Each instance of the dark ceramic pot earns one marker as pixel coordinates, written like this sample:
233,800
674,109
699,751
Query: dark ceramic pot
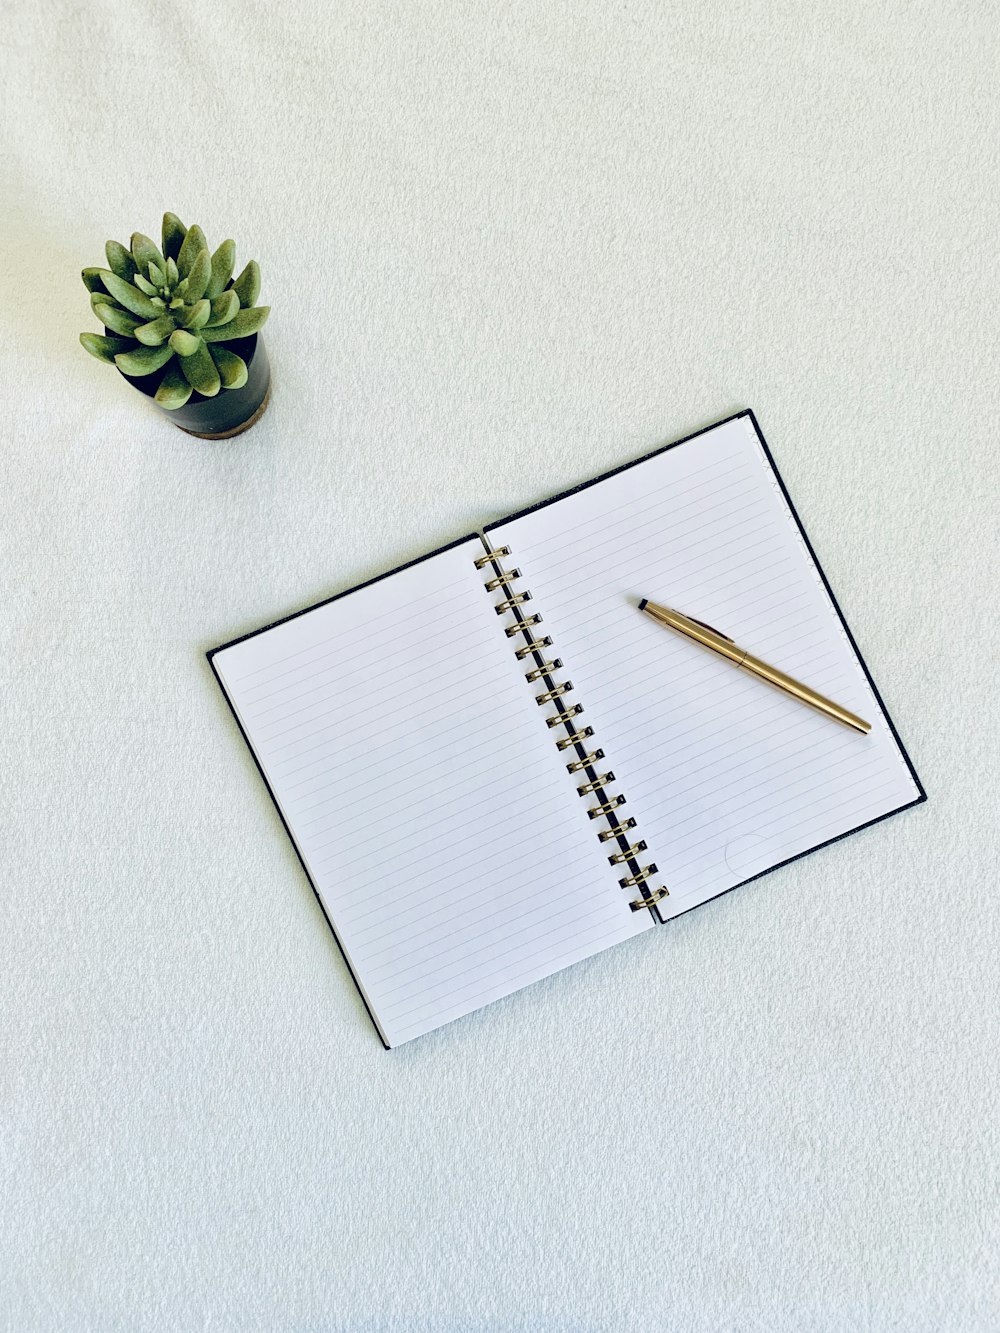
231,410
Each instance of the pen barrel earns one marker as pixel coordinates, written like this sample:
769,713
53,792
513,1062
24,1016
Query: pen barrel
802,692
694,629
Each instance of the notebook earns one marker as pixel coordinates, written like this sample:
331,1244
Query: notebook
492,765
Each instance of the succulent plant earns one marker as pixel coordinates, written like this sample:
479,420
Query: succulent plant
174,312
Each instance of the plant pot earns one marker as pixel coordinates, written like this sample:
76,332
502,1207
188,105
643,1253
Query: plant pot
231,411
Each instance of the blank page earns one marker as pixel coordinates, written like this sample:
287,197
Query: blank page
727,776
427,801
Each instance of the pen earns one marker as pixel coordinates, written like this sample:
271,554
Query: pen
725,647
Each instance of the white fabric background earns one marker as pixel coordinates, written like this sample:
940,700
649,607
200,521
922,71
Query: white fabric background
506,247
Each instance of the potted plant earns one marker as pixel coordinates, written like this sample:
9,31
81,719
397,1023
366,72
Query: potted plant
182,330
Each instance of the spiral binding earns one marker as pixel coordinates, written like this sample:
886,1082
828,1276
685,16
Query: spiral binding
596,811
502,580
522,625
574,738
546,669
533,645
596,785
628,854
588,761
623,826
554,693
564,718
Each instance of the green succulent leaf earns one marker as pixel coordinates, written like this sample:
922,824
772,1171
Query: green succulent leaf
158,275
232,368
144,285
172,274
105,349
143,360
197,279
144,252
101,298
173,233
200,372
181,287
240,326
128,296
174,390
247,285
194,242
120,260
151,335
184,343
198,314
92,279
117,320
222,268
224,307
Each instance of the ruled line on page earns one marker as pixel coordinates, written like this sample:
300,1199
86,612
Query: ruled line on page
655,563
522,899
652,500
743,755
507,763
444,684
344,670
434,927
482,802
438,696
697,875
435,922
453,973
505,980
767,802
405,768
737,511
390,620
473,734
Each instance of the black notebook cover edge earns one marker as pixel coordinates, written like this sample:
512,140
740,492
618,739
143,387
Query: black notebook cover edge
748,414
325,601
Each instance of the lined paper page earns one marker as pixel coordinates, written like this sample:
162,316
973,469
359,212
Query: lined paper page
726,776
405,751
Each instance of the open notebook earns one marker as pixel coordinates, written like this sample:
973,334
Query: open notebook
492,765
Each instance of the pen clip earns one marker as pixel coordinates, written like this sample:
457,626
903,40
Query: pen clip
713,630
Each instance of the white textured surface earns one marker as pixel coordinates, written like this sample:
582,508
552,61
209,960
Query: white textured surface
506,247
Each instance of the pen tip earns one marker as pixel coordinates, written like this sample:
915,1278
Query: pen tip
642,604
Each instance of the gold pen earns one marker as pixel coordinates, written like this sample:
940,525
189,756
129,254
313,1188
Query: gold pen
725,647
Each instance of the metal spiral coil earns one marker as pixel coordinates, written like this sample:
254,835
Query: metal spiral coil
542,669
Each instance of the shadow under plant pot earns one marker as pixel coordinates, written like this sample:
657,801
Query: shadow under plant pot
231,411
